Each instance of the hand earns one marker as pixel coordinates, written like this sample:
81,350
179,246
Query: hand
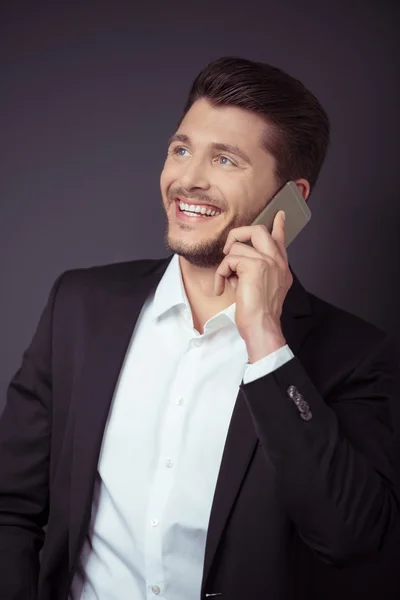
262,278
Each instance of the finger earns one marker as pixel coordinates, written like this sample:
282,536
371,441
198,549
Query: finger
279,233
241,249
233,281
222,274
238,249
258,235
232,265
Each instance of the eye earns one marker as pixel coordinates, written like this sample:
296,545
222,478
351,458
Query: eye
224,160
179,150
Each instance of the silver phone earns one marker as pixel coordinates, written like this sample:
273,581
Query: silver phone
292,202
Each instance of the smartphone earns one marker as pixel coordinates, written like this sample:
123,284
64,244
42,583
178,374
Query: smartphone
292,202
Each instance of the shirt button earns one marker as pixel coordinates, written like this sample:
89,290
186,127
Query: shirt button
155,589
154,522
179,401
168,463
186,314
197,343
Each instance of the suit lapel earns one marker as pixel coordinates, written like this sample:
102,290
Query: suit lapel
241,439
95,391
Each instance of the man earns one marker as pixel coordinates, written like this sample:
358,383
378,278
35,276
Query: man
201,426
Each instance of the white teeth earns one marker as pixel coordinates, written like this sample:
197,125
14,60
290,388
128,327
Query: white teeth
193,210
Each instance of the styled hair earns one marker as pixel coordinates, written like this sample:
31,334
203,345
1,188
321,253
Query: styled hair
298,126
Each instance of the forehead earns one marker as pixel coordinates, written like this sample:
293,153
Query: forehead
224,124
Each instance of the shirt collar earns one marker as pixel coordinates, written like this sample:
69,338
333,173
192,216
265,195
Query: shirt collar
171,293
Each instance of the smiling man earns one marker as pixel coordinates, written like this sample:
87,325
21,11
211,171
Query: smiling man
210,187
201,426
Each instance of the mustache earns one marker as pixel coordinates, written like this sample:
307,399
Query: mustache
197,195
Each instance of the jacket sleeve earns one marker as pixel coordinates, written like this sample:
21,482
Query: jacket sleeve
334,471
25,430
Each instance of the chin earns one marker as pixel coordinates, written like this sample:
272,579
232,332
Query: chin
202,254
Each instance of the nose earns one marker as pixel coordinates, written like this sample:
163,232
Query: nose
194,176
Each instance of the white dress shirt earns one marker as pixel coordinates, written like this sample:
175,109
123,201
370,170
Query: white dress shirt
162,449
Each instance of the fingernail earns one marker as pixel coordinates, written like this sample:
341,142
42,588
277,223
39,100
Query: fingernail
283,214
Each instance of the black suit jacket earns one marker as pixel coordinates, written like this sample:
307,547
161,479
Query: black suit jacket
290,493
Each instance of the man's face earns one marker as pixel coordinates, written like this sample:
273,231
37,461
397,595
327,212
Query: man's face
216,162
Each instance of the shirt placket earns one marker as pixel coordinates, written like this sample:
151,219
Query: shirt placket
163,481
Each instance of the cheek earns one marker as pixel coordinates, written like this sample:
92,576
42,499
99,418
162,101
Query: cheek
257,195
169,175
236,192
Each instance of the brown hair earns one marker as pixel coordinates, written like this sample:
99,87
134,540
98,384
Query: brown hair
298,135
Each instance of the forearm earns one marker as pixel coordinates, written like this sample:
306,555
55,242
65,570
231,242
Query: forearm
342,501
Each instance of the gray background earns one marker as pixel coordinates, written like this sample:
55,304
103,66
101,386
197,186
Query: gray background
89,95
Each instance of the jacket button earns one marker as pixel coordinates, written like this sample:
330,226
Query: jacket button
299,401
303,406
306,415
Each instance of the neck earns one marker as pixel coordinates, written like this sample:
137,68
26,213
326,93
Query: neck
199,288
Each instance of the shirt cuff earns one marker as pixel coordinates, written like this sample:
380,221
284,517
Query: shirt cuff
266,365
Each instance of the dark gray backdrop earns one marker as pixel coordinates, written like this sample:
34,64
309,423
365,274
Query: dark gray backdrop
89,95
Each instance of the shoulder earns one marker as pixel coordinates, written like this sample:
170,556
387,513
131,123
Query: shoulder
109,274
92,286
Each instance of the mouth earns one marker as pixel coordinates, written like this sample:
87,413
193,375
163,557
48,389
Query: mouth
195,213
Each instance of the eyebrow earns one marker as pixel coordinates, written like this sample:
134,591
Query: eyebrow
184,139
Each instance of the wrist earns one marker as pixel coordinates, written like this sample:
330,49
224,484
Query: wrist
261,344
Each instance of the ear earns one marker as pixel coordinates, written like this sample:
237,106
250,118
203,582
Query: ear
304,187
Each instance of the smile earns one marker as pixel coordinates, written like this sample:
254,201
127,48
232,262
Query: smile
195,212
